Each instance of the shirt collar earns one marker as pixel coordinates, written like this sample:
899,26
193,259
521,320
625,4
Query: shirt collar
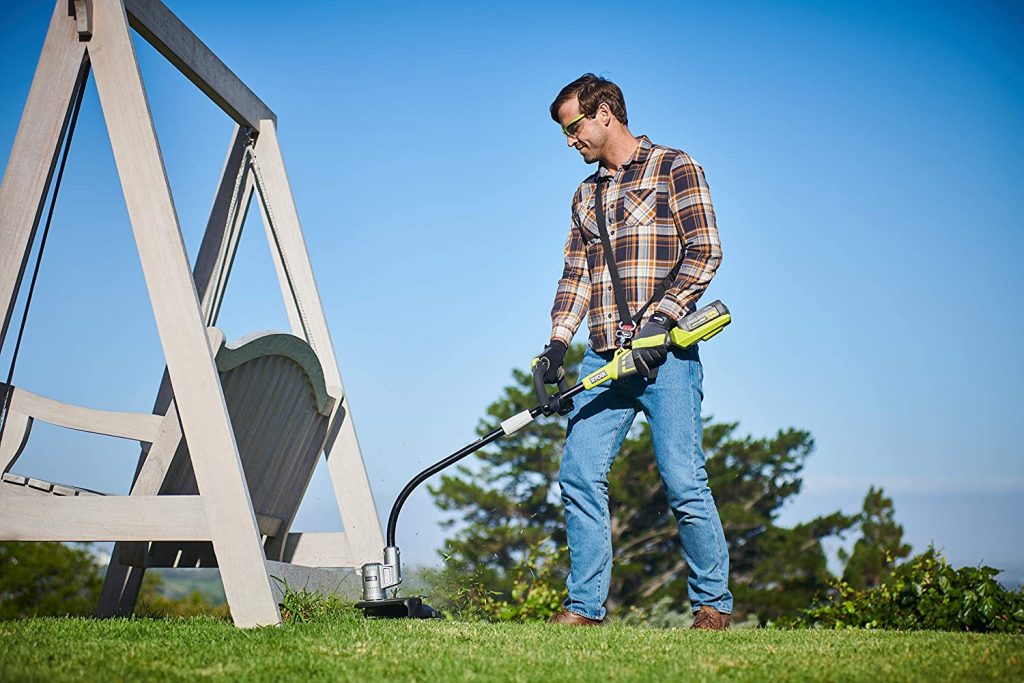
642,151
640,154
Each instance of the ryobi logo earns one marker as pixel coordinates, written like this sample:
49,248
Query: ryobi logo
594,379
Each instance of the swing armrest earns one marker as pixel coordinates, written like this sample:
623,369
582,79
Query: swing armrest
136,426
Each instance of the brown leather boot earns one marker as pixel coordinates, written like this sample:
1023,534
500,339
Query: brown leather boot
568,618
710,619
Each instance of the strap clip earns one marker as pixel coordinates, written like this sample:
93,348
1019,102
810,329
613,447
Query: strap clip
624,335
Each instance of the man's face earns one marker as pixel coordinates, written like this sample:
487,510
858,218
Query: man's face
586,135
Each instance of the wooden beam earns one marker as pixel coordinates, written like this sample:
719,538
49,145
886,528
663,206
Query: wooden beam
288,250
83,19
176,42
326,549
176,309
215,252
305,311
220,241
34,155
103,518
351,487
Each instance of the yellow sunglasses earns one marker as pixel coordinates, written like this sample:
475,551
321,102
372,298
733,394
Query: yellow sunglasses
570,128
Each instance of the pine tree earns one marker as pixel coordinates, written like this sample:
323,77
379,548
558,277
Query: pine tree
881,543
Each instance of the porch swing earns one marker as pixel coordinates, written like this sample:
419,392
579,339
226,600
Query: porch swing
227,455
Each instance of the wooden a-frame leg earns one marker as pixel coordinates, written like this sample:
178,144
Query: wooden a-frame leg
123,582
216,252
34,155
179,321
345,464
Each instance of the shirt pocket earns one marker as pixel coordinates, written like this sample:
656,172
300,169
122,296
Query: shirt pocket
595,250
640,207
587,220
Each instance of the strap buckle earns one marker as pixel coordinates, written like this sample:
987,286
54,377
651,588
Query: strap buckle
624,335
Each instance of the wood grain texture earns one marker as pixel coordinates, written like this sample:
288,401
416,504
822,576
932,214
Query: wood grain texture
102,518
280,428
279,417
288,346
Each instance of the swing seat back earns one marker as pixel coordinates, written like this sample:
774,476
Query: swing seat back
280,409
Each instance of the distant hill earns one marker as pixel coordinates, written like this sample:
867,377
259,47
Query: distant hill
181,583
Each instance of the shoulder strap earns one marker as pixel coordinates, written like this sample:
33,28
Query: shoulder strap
625,331
627,323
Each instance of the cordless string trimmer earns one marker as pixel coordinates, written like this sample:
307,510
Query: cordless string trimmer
379,577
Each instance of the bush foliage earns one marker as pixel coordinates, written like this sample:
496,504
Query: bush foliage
62,579
47,580
537,589
924,593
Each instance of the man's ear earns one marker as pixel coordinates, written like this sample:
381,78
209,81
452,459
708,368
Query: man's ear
606,113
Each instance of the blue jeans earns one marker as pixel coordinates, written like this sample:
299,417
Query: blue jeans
597,428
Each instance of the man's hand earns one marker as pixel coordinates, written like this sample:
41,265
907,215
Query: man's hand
554,352
649,358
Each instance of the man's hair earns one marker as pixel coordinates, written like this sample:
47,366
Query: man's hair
592,91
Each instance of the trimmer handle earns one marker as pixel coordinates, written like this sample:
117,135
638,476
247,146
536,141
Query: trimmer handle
554,403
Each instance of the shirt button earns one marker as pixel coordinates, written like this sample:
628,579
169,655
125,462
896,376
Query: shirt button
609,316
612,232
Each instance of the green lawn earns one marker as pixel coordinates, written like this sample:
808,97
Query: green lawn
350,647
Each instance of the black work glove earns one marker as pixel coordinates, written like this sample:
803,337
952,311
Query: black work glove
555,354
649,359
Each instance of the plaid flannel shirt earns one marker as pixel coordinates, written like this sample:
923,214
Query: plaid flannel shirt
657,208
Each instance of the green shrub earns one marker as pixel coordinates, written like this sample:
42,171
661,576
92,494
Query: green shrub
538,588
300,606
924,593
47,579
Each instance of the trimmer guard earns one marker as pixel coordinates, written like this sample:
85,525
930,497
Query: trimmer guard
398,608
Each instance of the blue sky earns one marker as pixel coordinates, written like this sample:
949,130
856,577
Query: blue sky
865,160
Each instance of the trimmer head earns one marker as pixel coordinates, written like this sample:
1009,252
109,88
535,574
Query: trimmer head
377,578
398,608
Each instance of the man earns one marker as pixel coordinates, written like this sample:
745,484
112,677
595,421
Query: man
661,228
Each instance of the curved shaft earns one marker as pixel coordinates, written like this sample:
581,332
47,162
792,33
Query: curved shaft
451,460
431,471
